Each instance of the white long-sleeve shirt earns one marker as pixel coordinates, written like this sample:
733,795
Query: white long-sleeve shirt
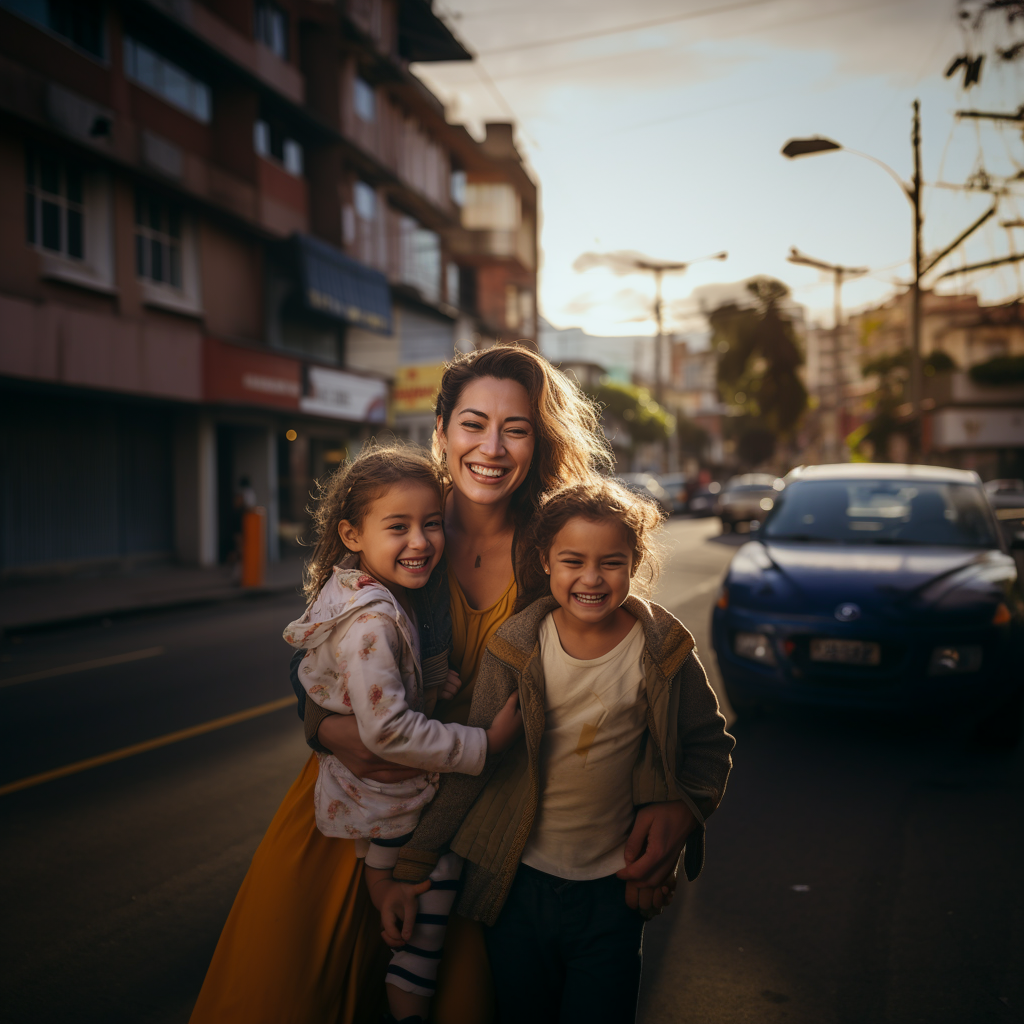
361,660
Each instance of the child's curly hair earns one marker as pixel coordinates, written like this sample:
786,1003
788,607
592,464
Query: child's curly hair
348,493
594,501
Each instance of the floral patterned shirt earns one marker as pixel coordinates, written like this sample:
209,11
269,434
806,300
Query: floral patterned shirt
360,660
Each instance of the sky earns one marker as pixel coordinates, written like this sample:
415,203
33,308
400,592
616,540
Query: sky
665,139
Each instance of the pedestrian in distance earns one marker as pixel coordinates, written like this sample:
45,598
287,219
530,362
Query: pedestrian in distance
382,538
618,714
302,942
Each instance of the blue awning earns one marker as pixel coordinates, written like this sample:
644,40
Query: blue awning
341,287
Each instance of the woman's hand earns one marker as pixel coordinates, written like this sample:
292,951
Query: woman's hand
652,852
506,727
340,735
450,687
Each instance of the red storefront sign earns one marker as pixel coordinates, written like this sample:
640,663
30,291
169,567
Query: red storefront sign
232,373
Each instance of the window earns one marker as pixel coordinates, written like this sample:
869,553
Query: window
271,142
491,207
364,100
511,307
452,284
457,188
421,259
78,21
365,200
167,80
271,24
158,239
55,204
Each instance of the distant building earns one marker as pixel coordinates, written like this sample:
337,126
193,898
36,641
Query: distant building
955,324
963,423
229,229
628,359
694,394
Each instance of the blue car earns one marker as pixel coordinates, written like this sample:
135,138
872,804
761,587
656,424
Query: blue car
881,587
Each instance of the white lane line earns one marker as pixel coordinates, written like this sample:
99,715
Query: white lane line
83,666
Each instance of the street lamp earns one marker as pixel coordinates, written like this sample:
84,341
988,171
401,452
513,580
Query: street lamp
658,268
839,274
808,147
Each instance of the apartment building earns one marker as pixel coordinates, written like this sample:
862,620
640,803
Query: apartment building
227,227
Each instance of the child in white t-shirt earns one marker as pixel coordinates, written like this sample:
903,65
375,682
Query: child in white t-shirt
618,714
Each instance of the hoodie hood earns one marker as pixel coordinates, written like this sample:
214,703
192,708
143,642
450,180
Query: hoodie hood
347,593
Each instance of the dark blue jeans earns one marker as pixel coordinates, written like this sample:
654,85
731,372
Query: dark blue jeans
566,952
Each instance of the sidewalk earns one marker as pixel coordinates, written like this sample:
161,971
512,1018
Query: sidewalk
31,605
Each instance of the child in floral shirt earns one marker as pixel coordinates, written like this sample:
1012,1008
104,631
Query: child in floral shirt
381,535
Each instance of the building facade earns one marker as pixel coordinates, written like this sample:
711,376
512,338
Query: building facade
229,229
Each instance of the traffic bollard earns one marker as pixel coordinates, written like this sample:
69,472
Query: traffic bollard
254,547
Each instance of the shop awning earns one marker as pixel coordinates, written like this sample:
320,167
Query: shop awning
341,287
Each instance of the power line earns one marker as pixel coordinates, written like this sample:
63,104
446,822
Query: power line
635,27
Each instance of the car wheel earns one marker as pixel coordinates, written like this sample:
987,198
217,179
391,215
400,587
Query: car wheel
1003,726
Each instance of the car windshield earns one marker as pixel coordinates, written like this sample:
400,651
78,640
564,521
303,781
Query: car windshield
881,512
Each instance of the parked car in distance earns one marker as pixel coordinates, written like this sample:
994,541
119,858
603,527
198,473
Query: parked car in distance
1006,493
704,500
677,488
883,587
747,498
647,485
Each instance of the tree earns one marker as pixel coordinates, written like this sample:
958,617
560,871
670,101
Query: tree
973,15
872,439
758,368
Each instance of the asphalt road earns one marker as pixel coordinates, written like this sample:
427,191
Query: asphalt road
905,849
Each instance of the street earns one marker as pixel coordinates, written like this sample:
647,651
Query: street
858,871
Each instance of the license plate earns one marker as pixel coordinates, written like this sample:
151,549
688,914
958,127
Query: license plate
846,652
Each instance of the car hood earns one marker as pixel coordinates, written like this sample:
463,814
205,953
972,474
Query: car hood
887,580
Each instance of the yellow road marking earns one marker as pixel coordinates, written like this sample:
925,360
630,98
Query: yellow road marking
141,748
83,666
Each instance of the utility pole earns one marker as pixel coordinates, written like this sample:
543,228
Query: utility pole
915,293
836,405
659,341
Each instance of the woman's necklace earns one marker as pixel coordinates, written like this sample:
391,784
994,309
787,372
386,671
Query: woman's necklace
501,542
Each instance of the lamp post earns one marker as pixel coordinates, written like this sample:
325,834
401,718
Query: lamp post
839,275
659,268
808,147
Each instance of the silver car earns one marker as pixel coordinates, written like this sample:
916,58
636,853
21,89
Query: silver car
747,498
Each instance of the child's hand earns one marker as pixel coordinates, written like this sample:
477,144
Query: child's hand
397,902
650,900
506,727
450,686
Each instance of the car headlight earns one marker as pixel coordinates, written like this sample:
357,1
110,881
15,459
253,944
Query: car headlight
949,660
755,646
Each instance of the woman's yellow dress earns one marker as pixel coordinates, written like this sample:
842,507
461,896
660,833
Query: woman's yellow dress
302,943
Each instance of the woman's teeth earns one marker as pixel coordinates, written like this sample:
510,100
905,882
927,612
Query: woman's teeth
590,598
493,471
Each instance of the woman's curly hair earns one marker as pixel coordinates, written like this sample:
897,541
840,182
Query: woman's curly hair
350,491
596,501
570,445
